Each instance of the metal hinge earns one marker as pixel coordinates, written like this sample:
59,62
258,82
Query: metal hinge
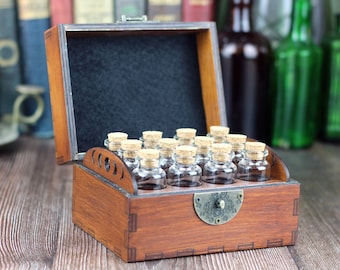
125,19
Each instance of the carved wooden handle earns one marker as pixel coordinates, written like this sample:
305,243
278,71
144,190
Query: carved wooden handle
110,166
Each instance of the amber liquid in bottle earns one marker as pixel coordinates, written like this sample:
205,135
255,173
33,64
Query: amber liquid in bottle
246,60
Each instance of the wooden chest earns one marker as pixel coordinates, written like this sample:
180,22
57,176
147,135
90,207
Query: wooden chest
154,76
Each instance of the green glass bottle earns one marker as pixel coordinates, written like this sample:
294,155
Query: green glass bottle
296,83
330,124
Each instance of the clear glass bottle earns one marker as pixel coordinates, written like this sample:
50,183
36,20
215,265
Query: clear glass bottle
203,146
149,175
296,78
221,169
330,120
246,58
167,148
185,172
219,133
237,142
150,138
130,149
254,167
185,136
114,140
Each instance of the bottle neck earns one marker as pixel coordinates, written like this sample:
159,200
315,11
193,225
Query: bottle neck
240,16
301,29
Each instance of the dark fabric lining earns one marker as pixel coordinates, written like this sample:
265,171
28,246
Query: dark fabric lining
134,83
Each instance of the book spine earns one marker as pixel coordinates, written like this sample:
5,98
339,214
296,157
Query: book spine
61,11
89,11
130,8
164,10
221,12
34,19
10,75
198,10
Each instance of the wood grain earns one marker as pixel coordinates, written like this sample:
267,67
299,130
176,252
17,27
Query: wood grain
36,229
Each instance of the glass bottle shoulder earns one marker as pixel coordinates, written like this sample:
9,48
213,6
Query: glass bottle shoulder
294,47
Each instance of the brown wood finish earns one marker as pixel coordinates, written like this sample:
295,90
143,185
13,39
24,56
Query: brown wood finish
56,78
163,224
167,226
209,63
100,210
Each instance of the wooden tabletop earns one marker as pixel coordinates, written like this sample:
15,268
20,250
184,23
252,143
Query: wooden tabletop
36,229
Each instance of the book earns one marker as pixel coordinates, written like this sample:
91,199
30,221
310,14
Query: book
33,20
89,11
130,8
198,10
10,75
61,11
221,12
164,10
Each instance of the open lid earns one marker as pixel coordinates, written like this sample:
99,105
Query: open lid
131,77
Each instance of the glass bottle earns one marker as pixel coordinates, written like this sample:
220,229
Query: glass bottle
185,172
296,78
150,138
185,136
219,133
167,148
273,18
246,64
237,142
254,167
221,169
149,175
130,149
330,127
113,142
203,145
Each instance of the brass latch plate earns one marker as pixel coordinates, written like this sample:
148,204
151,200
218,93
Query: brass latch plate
217,208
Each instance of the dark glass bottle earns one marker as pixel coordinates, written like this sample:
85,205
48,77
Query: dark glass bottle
245,60
330,124
297,67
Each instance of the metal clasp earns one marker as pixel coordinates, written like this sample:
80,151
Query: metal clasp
217,208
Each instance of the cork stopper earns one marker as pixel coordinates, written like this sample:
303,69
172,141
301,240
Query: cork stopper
152,135
237,141
167,146
186,132
117,136
186,135
203,141
203,144
149,158
186,154
219,133
221,152
130,147
255,150
114,140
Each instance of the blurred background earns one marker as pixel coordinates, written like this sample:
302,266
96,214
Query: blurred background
292,94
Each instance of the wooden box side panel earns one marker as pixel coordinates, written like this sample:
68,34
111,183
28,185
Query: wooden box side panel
100,210
167,226
209,66
56,83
